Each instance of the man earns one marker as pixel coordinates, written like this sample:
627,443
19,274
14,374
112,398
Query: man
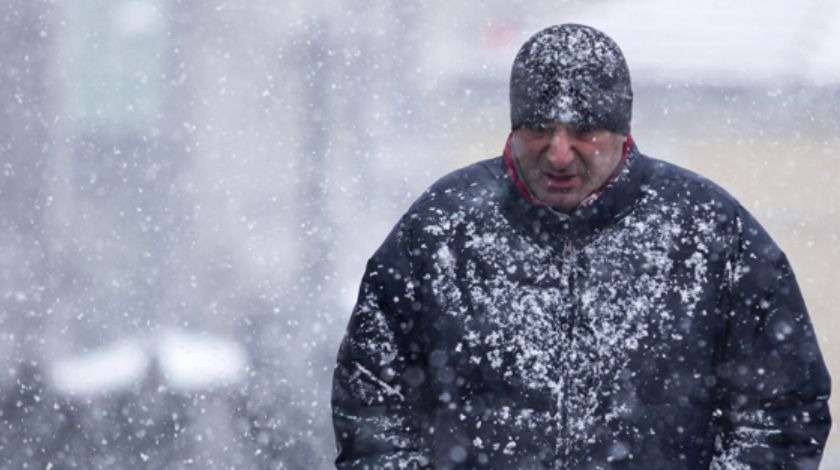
577,304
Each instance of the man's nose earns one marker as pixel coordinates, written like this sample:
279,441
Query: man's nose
560,153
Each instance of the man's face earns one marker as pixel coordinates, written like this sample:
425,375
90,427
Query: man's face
561,165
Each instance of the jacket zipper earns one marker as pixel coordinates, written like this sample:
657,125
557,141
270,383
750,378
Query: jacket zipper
567,249
567,278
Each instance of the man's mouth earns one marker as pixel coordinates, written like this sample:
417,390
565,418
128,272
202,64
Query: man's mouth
561,181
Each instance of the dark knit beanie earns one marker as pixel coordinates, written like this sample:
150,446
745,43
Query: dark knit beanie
572,74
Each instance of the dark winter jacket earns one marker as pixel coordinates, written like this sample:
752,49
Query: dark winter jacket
659,327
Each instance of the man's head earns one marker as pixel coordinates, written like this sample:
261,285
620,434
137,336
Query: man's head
570,100
573,74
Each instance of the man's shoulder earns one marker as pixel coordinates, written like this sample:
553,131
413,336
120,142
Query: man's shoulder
694,196
675,181
482,179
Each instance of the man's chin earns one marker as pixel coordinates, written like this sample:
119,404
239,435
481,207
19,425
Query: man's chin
565,201
562,205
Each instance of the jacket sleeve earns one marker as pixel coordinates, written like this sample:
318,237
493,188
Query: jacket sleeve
378,398
773,385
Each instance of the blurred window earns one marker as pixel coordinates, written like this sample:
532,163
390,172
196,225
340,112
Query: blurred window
113,53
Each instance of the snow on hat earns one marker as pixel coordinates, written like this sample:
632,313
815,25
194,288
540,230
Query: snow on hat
573,74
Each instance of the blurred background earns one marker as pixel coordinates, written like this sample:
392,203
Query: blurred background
190,189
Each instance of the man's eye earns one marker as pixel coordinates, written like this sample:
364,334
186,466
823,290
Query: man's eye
586,133
538,128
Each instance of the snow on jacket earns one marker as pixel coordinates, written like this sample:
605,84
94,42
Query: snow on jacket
659,327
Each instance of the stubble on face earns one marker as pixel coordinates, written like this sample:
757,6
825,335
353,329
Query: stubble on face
562,167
